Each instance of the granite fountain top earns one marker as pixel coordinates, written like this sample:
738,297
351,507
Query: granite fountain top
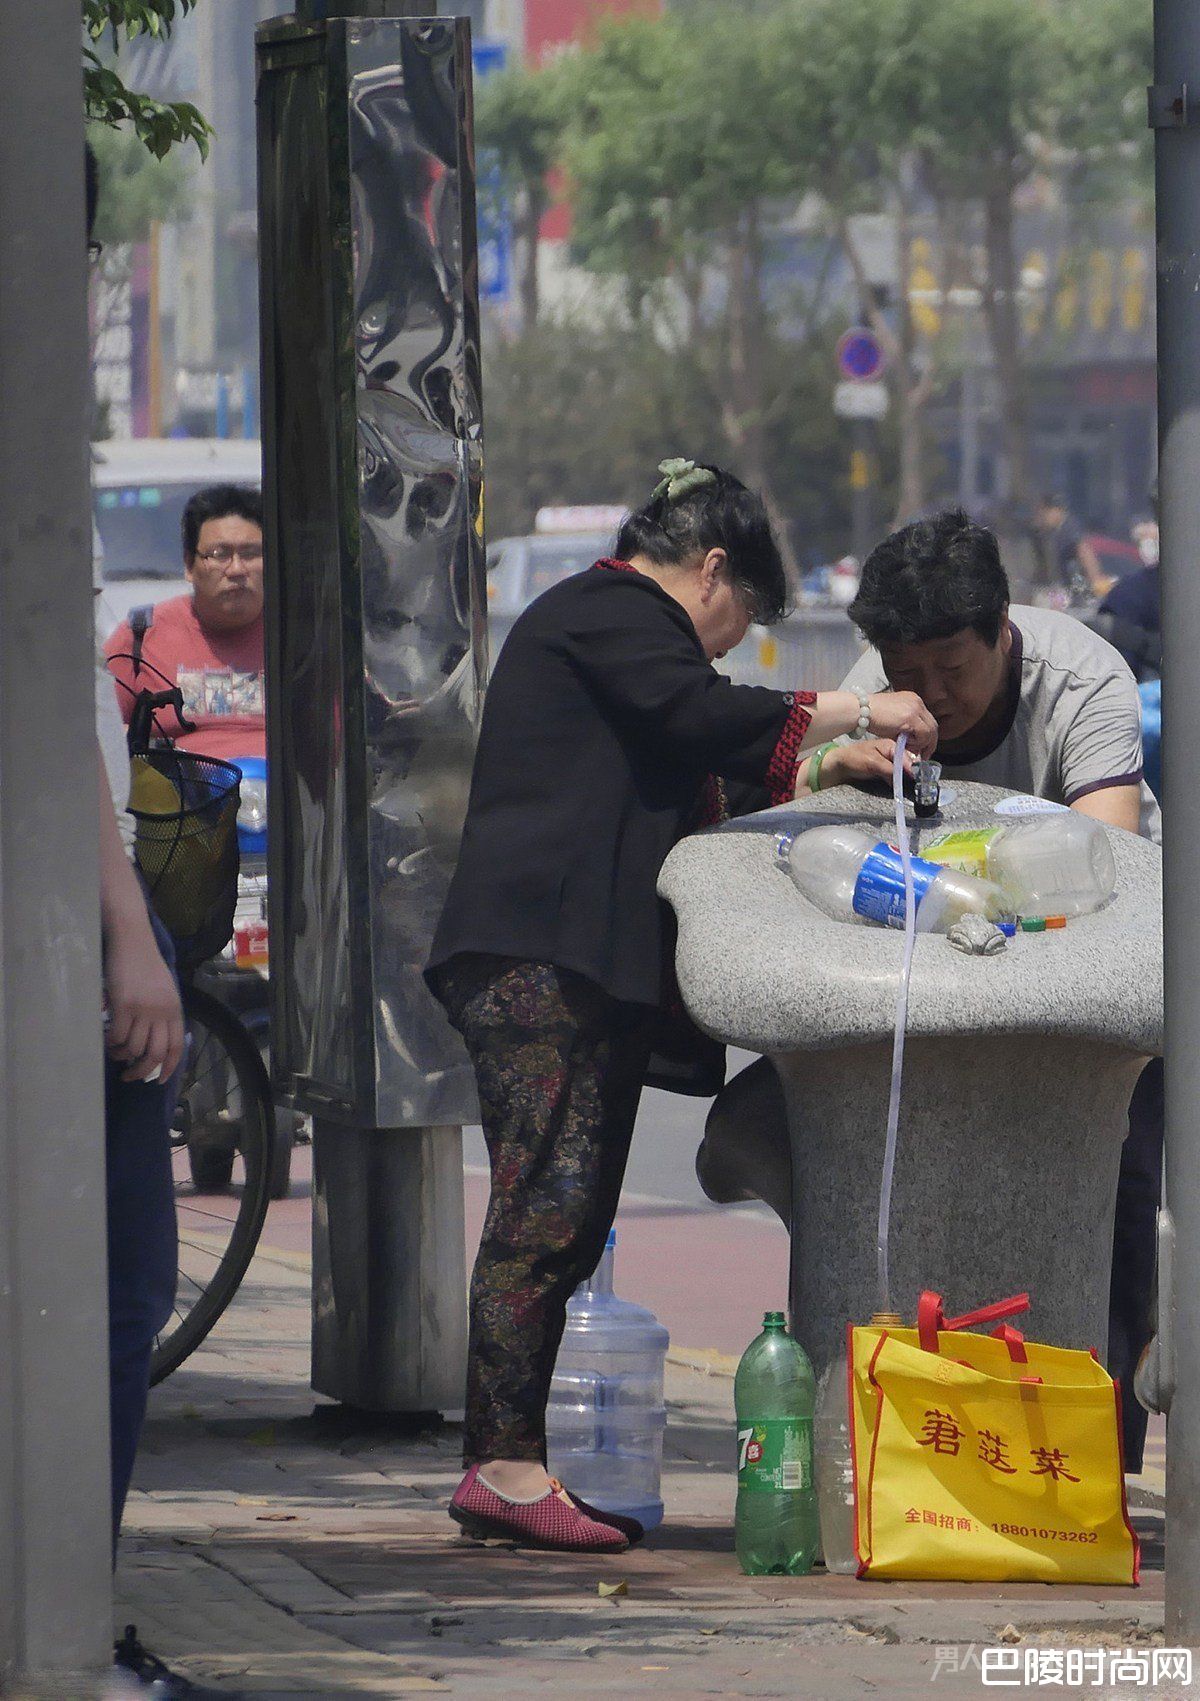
759,966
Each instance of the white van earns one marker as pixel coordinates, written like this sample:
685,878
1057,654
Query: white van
139,488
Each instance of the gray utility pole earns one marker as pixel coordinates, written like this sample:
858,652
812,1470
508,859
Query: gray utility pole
1175,115
55,1603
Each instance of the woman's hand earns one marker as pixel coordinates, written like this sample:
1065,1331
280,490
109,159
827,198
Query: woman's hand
869,759
145,1028
894,712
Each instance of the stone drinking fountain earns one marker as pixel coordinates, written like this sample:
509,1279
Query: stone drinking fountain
1017,1077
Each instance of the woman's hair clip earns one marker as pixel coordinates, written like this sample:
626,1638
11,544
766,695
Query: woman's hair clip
680,478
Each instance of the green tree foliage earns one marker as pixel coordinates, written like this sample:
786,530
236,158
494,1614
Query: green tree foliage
519,117
686,141
158,125
136,190
679,141
994,92
583,412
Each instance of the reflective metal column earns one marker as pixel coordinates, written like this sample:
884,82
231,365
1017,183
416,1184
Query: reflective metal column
376,662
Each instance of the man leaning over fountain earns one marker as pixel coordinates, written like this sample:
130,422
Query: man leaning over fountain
1031,700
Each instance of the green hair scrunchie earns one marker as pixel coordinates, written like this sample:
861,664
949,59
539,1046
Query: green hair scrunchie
680,478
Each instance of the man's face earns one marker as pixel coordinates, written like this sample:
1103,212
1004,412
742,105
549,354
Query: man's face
226,573
1050,516
960,678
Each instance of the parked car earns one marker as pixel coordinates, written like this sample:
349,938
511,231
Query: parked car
521,568
139,488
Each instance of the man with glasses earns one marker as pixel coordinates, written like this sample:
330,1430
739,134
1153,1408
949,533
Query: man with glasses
209,642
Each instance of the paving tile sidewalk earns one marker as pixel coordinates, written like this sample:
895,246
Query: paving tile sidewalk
282,1551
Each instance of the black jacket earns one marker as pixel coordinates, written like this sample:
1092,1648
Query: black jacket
601,723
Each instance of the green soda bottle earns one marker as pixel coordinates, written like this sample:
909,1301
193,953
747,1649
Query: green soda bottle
776,1529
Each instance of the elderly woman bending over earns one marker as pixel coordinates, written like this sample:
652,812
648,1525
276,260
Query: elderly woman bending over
604,725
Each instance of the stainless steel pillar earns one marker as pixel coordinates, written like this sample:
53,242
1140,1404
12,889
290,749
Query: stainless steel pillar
1175,114
376,620
55,1611
389,1330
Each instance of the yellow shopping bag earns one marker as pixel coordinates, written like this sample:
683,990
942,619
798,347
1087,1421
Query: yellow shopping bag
985,1457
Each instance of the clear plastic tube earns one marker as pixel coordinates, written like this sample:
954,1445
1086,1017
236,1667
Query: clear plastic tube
893,1121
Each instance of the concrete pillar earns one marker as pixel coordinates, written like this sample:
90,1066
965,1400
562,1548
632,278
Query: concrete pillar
1175,113
55,1607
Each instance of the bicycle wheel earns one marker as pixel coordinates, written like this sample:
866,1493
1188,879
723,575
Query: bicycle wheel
224,1119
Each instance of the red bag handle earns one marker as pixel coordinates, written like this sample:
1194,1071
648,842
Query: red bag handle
931,1317
1014,1340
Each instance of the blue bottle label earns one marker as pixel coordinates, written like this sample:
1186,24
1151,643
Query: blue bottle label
879,889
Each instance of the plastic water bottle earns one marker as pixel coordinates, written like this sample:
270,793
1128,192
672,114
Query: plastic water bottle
775,1528
606,1415
835,1469
851,876
1059,864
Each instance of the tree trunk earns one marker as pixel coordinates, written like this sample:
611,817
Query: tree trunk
1002,315
526,229
744,405
911,392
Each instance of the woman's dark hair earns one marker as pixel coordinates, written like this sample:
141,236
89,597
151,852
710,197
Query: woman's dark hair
214,503
724,515
931,579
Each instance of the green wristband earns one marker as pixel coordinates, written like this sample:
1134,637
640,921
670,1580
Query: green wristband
814,765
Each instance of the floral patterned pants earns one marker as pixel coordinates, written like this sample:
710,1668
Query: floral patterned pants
559,1066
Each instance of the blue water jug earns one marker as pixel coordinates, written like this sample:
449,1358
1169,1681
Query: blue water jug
606,1416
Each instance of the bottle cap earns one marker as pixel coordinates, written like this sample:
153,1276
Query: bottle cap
1056,921
887,1319
1007,928
774,1320
1033,924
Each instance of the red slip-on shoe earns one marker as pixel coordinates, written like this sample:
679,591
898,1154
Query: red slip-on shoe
629,1527
547,1522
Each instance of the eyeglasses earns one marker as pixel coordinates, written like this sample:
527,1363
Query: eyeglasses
221,554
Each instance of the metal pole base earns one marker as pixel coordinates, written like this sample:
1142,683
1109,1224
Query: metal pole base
389,1330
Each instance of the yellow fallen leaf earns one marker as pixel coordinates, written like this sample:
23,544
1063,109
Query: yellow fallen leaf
607,1590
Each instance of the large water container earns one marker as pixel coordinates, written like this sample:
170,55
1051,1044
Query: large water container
606,1416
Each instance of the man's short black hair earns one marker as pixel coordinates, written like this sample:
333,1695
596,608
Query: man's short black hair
215,502
930,580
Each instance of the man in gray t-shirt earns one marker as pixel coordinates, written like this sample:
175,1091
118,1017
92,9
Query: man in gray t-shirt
1063,720
1036,702
1024,698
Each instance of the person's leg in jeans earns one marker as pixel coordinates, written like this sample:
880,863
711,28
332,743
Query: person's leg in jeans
143,1251
142,1256
1131,1292
559,1066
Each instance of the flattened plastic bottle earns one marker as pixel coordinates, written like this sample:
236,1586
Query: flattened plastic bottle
851,876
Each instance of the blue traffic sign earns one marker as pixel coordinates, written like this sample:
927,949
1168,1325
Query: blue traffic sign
494,228
859,355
